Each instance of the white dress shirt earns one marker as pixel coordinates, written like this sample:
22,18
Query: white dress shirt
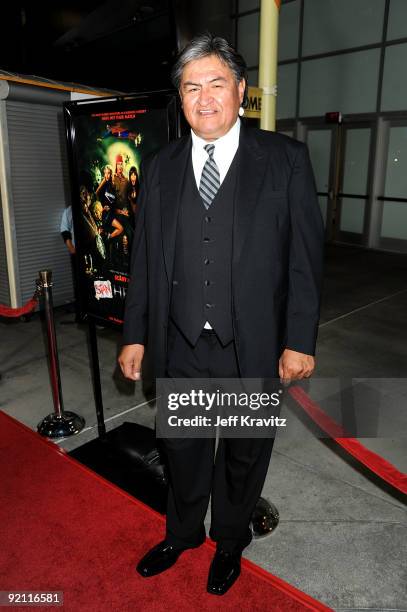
225,150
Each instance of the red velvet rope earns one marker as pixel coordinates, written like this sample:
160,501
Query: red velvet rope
6,311
384,469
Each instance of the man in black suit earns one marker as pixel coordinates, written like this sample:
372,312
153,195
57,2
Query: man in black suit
227,268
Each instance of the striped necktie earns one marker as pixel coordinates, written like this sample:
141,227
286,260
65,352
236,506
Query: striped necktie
210,179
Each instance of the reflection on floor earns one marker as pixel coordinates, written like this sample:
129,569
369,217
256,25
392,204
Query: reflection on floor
341,533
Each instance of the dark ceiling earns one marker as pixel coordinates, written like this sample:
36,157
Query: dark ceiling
125,45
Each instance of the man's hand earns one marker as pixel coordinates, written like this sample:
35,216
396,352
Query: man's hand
130,359
294,366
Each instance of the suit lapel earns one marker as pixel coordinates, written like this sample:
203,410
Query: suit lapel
251,168
172,176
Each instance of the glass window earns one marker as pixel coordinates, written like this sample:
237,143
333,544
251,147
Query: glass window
319,145
394,220
352,215
330,26
396,174
288,31
286,91
248,5
253,77
346,83
396,27
248,38
394,93
356,161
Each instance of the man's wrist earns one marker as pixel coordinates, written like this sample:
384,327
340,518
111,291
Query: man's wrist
295,350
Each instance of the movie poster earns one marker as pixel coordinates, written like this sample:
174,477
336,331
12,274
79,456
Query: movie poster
107,141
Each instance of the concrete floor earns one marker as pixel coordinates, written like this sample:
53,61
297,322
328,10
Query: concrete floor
342,534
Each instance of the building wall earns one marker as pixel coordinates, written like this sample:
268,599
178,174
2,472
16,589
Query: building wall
347,56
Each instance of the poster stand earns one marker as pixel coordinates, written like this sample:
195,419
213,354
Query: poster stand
126,455
97,386
108,139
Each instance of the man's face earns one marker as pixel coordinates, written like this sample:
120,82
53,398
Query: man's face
210,97
119,168
108,174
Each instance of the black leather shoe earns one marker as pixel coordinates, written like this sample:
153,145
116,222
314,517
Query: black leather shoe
224,571
158,559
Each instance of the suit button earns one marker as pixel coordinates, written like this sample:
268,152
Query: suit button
208,219
174,282
206,261
207,283
206,239
209,305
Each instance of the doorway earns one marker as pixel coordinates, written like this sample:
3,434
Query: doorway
341,156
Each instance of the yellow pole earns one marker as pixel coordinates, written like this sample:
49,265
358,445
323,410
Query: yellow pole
269,13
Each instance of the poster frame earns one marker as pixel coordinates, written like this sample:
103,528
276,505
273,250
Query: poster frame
165,99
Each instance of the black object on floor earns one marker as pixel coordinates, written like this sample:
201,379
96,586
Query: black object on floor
128,457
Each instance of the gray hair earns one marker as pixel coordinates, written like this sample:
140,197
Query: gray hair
207,44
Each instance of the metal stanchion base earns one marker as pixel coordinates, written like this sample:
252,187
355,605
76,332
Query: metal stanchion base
265,519
61,426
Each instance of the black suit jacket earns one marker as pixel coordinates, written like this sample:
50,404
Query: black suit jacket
277,252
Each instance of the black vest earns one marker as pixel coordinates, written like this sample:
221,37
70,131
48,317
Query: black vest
201,286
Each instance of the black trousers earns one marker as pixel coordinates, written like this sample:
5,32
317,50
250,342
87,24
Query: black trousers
234,477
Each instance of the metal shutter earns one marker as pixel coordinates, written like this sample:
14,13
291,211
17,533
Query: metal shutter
4,288
40,191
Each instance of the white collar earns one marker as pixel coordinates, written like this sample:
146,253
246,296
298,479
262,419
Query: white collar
228,141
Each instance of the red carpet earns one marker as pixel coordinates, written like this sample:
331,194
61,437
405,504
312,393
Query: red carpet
66,529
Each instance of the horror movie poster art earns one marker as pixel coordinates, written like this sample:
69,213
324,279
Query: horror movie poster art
107,141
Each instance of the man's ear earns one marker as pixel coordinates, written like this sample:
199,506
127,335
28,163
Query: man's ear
242,87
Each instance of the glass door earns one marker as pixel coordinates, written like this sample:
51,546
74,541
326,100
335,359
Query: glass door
321,144
393,219
353,197
341,159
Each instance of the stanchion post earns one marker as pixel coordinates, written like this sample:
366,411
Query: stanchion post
60,423
97,388
45,279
